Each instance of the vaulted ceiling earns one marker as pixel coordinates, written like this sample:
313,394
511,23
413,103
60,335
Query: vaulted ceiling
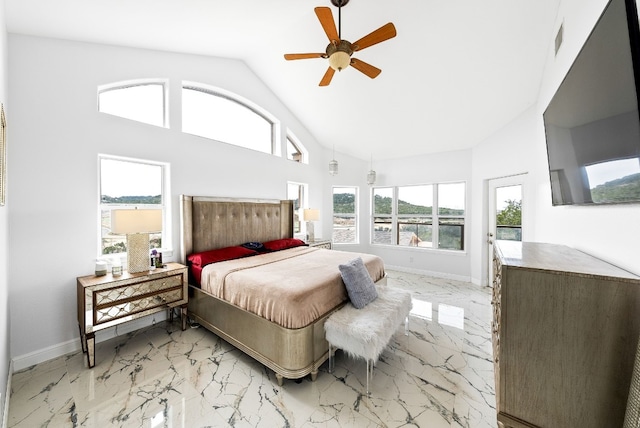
457,71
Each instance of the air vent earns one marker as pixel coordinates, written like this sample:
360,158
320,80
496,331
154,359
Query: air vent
559,37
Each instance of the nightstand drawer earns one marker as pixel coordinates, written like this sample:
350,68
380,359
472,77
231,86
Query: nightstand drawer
128,292
320,243
125,308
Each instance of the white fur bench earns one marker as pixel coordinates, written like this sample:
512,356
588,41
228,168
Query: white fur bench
366,332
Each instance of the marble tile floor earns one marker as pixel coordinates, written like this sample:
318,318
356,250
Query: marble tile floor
441,375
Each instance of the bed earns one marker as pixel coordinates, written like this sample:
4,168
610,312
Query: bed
207,223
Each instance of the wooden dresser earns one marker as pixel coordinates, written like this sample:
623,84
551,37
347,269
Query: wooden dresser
565,329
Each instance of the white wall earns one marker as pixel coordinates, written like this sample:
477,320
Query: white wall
5,325
611,233
56,136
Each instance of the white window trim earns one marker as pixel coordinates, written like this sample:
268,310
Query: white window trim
304,203
296,142
138,82
167,229
276,149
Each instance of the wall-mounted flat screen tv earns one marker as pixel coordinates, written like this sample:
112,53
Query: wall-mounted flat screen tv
592,123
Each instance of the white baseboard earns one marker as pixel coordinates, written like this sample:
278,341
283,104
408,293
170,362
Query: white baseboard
7,395
45,354
430,273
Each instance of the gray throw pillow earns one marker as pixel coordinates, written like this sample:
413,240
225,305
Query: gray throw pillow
360,286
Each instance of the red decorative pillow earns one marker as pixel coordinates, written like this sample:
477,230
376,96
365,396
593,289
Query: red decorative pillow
199,260
283,244
211,256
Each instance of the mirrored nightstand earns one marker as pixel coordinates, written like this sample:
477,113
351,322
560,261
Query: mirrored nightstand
320,243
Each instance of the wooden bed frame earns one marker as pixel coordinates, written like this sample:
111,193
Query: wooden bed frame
209,223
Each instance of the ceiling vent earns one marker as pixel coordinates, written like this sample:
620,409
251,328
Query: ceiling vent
559,37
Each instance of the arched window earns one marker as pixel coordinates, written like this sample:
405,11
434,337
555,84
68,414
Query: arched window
140,100
219,115
295,150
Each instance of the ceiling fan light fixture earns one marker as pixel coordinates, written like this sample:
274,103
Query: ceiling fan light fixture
339,60
339,54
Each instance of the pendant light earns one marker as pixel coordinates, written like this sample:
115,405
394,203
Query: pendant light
371,176
333,165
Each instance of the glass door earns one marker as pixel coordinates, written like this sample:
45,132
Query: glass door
505,213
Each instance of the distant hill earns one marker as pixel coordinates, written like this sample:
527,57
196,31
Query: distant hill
148,200
625,189
383,205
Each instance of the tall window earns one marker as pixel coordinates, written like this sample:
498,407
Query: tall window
415,216
451,203
345,219
129,184
143,101
210,113
382,215
297,193
427,216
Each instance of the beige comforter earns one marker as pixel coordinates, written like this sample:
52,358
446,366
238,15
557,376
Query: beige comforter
292,288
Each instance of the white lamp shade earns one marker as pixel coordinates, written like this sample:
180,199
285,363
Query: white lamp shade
311,214
136,221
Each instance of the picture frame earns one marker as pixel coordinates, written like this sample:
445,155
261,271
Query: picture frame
3,155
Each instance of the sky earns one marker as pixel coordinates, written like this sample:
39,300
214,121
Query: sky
602,172
123,178
504,194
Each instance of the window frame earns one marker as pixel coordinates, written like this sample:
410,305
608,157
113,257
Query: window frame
124,84
164,206
435,220
355,215
303,190
300,148
275,148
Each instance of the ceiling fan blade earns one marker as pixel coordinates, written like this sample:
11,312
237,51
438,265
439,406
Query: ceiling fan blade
326,79
386,32
365,68
328,24
289,57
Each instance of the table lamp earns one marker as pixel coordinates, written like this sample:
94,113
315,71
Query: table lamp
310,215
136,224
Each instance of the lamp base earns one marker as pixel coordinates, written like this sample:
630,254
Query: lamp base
138,252
310,234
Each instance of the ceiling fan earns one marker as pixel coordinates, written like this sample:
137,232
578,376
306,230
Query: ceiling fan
338,50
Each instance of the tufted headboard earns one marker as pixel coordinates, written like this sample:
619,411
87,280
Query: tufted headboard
210,222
